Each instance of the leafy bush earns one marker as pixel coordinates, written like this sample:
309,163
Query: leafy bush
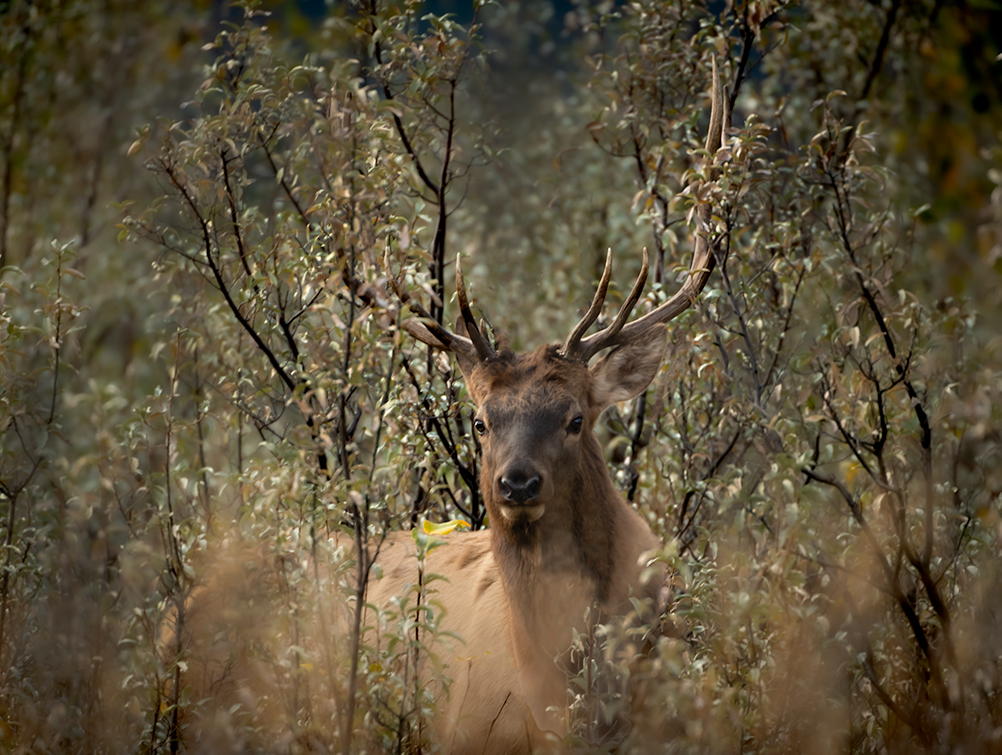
208,431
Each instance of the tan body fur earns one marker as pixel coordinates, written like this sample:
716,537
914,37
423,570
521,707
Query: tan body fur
488,706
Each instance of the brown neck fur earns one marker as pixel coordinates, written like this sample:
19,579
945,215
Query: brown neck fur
577,534
574,555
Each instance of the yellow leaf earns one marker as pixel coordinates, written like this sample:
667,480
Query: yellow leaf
443,528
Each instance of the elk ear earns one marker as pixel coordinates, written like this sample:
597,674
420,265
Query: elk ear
627,370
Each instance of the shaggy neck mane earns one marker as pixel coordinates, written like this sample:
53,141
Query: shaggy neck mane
575,536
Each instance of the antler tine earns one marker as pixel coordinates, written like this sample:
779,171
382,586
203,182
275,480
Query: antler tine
589,349
703,259
571,344
484,350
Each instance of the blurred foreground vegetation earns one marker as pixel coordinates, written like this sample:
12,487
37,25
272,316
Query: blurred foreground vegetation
202,382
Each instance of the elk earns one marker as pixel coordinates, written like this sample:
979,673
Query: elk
562,543
561,539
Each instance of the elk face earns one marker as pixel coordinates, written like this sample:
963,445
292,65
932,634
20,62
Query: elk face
532,412
536,416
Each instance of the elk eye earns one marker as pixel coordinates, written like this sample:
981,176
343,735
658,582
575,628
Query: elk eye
575,426
479,426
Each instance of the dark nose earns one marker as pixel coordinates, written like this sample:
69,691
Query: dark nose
519,486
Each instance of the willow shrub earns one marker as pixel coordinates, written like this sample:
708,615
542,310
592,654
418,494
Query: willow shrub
187,530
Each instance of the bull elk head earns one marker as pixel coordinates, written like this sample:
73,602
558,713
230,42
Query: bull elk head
562,540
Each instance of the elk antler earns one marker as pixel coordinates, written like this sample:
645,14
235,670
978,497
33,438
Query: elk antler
594,310
427,330
484,350
619,332
572,344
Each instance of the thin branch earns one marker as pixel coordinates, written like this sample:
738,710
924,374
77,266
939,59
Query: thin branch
906,606
878,57
265,349
285,186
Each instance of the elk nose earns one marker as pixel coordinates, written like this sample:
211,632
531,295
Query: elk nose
519,487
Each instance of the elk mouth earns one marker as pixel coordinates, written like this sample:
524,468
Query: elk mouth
522,513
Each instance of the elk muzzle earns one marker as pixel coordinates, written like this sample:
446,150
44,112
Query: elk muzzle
519,489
